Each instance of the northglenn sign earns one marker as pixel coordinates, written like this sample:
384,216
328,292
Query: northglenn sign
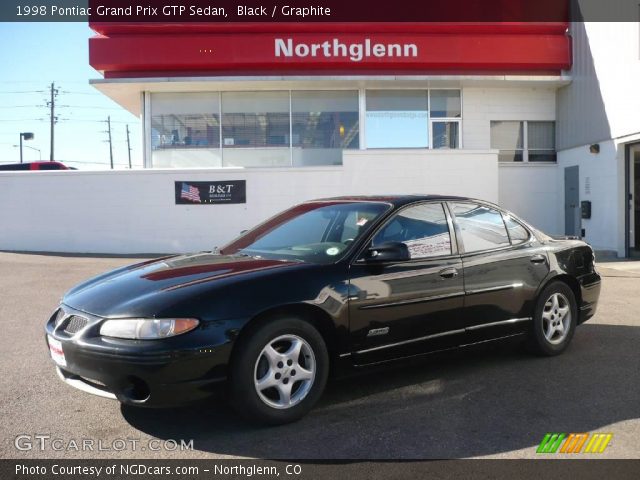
134,51
355,52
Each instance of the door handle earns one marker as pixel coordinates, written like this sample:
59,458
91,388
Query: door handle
448,272
538,259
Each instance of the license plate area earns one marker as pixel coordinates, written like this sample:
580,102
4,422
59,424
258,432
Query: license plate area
56,351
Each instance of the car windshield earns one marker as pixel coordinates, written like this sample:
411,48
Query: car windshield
317,232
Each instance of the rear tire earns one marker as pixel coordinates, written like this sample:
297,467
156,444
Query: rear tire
554,320
279,371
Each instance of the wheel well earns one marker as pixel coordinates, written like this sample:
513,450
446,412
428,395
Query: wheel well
571,282
314,315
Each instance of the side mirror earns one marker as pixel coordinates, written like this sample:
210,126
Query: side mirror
388,252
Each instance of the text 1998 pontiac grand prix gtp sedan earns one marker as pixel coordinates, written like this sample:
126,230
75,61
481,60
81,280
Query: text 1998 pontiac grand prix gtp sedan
355,280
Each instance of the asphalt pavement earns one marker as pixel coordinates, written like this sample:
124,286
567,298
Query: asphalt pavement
496,401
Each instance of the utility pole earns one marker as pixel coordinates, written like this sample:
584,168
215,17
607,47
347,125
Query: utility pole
52,116
128,147
110,142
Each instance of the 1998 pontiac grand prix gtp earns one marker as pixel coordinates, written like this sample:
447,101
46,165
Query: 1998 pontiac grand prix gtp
352,280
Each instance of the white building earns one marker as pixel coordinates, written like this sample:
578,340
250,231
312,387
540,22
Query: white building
502,112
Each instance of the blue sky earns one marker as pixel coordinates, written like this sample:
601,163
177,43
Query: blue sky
32,56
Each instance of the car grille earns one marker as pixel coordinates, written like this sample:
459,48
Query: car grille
74,324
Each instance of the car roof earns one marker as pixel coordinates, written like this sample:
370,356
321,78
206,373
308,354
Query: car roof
399,200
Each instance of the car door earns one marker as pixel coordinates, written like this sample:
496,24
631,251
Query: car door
402,308
503,266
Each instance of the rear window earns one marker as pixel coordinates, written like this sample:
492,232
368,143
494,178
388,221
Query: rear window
50,166
517,232
481,227
15,166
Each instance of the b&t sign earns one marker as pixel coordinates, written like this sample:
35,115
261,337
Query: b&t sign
211,193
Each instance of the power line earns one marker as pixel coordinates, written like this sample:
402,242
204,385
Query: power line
93,107
36,81
82,120
71,92
20,106
23,120
23,91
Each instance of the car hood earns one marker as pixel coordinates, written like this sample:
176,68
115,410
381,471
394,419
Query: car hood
147,288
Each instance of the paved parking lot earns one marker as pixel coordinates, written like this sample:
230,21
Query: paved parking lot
495,401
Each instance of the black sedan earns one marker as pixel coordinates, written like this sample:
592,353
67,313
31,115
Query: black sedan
349,281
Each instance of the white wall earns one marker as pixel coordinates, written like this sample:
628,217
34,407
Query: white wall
601,106
603,229
481,105
531,192
602,182
187,158
615,47
603,99
135,211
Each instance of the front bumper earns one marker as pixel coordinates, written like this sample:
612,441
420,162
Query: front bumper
153,373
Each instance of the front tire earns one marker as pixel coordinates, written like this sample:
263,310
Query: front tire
555,319
279,371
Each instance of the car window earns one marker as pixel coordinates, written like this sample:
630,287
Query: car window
422,228
481,227
305,229
353,223
49,166
517,232
15,166
318,232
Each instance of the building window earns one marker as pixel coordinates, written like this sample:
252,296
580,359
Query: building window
323,123
508,138
397,119
445,110
255,129
302,128
445,104
541,137
185,129
524,141
445,134
413,118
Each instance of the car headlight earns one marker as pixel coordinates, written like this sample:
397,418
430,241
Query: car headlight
147,328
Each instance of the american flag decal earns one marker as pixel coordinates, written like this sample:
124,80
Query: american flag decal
227,192
189,192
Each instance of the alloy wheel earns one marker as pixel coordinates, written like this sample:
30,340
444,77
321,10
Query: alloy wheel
556,318
284,371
